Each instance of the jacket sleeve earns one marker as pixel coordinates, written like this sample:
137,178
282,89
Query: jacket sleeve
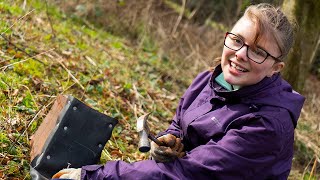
241,153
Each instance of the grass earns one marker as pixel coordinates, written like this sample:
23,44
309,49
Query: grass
48,52
103,70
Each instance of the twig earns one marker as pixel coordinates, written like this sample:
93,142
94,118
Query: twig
91,61
305,169
24,4
22,50
313,167
33,57
70,74
179,18
5,38
107,154
65,89
17,21
196,9
316,47
50,21
11,58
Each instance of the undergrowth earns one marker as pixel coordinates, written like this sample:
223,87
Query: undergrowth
47,53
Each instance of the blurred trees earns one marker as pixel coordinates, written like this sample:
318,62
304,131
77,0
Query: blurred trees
227,12
216,10
315,68
301,59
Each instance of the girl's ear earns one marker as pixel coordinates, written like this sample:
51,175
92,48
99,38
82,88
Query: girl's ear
277,67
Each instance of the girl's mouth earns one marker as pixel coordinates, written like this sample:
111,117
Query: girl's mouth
232,64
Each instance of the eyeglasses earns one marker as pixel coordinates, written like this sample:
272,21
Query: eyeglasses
257,55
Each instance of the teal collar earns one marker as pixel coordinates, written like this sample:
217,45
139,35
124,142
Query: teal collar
220,80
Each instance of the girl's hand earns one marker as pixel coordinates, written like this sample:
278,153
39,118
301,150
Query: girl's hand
69,173
172,149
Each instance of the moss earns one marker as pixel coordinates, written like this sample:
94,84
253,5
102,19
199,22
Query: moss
10,9
30,67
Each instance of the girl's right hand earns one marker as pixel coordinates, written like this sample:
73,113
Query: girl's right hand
172,149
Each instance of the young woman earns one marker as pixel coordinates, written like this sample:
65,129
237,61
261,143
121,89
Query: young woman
235,122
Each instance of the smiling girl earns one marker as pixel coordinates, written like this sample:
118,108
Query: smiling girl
235,122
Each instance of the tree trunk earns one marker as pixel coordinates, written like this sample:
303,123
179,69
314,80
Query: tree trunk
298,63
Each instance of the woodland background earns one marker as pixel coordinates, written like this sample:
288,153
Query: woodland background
128,57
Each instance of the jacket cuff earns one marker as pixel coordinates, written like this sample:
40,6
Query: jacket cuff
89,168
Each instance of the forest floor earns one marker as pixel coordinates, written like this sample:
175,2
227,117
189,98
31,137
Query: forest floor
45,52
307,149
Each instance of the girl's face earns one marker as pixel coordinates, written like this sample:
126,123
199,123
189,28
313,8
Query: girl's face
237,68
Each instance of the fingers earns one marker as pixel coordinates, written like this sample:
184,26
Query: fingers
165,151
168,139
180,146
181,154
58,175
162,159
76,174
71,173
62,172
174,143
162,154
177,146
173,149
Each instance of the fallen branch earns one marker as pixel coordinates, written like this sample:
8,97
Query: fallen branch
32,57
20,49
68,71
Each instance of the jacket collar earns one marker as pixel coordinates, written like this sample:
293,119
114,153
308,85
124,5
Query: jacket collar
243,93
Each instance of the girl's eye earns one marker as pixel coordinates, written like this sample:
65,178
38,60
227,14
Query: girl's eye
260,52
236,40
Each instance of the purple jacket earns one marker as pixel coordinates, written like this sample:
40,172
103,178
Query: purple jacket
244,134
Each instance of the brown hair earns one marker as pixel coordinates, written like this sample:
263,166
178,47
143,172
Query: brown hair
271,21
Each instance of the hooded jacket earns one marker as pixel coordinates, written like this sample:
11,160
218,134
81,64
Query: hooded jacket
243,134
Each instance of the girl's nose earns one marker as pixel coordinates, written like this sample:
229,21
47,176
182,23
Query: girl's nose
242,53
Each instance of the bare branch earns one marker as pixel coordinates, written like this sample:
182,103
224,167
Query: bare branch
179,18
22,50
17,21
59,60
50,21
4,67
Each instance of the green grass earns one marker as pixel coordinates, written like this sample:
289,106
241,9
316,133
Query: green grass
115,77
